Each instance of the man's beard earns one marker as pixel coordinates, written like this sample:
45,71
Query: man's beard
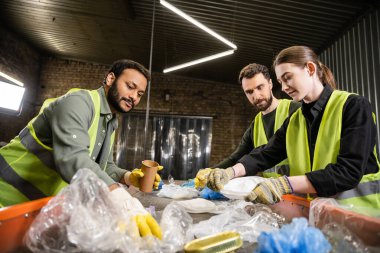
263,107
113,98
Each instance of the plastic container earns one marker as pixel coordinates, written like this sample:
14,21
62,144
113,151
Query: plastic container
15,221
292,206
365,227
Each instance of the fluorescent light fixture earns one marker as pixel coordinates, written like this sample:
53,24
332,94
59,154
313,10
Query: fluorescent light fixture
11,79
201,26
11,96
208,58
204,28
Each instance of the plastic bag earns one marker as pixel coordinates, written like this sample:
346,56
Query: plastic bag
240,187
294,237
80,218
207,193
175,224
174,191
197,205
235,218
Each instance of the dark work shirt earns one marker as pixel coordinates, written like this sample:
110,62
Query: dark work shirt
246,143
355,158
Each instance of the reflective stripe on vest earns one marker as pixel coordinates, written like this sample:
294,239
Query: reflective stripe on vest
260,138
28,165
327,149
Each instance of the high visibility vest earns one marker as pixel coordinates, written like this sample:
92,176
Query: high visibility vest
260,138
327,147
27,167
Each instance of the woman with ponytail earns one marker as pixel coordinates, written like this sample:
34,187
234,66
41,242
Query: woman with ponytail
329,141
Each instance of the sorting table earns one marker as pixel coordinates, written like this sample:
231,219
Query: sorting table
151,199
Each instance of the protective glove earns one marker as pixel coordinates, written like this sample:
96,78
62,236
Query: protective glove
219,177
270,191
136,175
200,179
144,223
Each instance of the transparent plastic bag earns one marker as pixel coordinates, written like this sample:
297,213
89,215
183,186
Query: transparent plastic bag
175,224
174,191
82,218
235,218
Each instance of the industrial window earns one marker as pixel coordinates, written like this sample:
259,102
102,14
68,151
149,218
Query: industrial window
181,144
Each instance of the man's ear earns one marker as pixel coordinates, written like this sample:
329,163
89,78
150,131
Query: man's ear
110,78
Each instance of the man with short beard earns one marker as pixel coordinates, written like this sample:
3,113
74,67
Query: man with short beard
257,86
76,131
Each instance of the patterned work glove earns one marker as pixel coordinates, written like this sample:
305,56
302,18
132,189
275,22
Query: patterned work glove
270,191
143,222
200,179
136,175
219,177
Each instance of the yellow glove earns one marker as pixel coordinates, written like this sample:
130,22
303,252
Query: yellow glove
270,191
200,179
219,177
142,224
135,176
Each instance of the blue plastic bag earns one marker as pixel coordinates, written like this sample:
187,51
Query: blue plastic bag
189,183
294,237
207,193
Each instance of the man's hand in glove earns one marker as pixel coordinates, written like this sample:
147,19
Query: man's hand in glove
201,178
270,191
143,222
134,177
219,177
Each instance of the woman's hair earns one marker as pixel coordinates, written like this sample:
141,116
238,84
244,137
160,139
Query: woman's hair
300,55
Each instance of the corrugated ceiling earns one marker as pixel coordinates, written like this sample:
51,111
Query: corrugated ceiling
105,30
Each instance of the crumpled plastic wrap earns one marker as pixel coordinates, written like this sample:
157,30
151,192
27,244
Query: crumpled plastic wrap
82,218
175,224
235,218
294,237
174,191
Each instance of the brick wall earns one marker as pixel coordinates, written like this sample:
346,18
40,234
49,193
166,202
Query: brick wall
22,62
226,103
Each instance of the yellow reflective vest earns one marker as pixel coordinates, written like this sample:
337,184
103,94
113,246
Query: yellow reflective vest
27,168
367,192
260,138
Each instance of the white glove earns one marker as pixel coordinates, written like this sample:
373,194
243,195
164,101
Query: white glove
145,223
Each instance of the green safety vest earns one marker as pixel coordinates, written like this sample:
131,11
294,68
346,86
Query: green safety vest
260,138
367,192
27,167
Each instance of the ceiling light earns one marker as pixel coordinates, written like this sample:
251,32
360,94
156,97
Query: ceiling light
201,26
204,28
11,79
208,58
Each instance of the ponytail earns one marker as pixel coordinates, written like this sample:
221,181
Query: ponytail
325,75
